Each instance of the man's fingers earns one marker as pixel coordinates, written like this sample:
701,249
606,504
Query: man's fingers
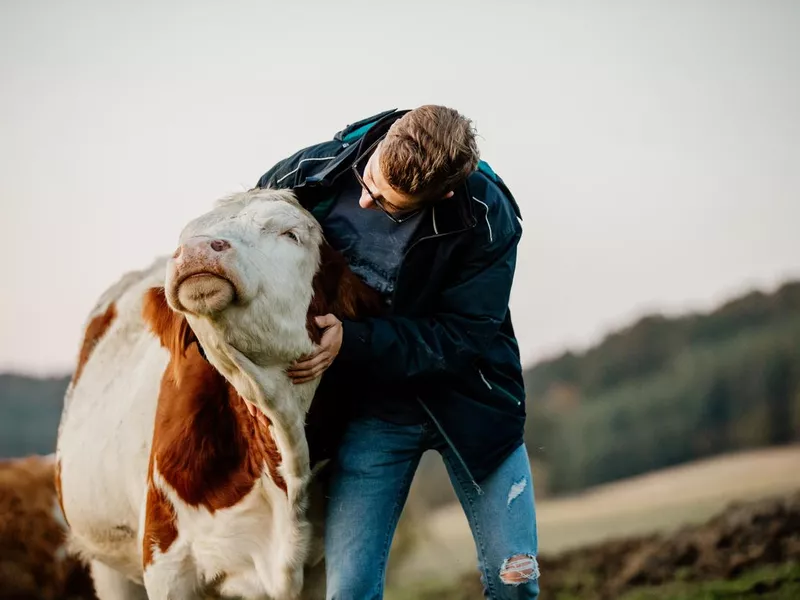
304,361
309,375
307,365
325,321
304,379
324,347
312,371
299,371
328,336
313,365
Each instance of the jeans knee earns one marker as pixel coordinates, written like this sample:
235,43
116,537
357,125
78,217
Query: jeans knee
353,593
361,584
519,569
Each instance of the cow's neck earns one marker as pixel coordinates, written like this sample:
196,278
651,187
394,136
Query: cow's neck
263,381
206,445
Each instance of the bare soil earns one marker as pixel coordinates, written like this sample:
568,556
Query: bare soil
745,536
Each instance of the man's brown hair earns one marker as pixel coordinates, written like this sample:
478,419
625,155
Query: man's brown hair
429,151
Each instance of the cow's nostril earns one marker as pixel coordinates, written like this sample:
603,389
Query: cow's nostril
219,245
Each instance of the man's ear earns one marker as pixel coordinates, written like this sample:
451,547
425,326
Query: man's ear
449,194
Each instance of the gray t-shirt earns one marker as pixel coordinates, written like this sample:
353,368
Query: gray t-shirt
374,245
370,241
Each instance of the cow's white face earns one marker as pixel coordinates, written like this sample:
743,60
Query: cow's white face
246,269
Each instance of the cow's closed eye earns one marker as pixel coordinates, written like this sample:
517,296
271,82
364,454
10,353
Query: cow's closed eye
292,236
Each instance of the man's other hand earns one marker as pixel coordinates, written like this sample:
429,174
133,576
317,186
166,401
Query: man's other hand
313,365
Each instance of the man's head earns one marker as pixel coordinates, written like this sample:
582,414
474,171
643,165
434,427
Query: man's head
425,155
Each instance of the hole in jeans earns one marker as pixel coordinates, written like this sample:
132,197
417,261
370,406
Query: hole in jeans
519,569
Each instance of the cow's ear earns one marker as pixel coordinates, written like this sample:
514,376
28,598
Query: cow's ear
170,327
339,291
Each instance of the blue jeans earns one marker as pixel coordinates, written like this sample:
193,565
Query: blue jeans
369,487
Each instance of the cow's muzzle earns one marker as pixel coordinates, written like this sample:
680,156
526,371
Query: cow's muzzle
198,278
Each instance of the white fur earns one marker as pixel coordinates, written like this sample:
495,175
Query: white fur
263,543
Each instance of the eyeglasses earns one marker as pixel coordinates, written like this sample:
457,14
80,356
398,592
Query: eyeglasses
398,215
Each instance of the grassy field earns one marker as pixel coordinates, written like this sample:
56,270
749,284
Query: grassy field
781,582
658,502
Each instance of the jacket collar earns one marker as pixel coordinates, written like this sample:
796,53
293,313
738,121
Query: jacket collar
353,138
453,214
360,128
447,216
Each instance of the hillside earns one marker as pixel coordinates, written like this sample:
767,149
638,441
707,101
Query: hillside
743,550
658,393
650,344
669,390
661,392
437,544
30,409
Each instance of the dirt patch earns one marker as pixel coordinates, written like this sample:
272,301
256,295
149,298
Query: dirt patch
741,538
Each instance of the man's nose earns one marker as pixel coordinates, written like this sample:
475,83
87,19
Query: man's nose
365,201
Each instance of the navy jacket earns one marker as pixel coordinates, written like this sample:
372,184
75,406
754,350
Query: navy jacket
448,340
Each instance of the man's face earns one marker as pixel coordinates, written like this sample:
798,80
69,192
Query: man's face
377,193
374,183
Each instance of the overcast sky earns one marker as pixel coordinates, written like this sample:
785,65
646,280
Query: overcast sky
654,147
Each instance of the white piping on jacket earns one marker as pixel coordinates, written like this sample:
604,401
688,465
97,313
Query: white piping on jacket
300,163
488,385
491,237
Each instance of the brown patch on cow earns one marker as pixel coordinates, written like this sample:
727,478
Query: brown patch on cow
171,328
94,331
59,495
267,446
339,291
160,528
206,445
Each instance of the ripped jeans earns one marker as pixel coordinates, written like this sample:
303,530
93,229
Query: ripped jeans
369,488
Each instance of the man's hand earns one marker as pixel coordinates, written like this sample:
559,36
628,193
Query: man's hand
314,364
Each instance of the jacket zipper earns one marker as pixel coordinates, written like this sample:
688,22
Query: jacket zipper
488,385
451,444
438,425
414,245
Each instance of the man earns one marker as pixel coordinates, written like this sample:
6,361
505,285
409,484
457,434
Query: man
405,198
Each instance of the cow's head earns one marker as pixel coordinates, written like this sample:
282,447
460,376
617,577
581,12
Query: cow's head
253,272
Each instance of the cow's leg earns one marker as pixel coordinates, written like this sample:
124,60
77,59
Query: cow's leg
110,584
172,576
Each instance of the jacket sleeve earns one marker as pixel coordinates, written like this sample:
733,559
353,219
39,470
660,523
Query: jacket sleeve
280,175
469,314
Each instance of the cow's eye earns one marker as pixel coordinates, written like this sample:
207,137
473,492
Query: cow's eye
291,235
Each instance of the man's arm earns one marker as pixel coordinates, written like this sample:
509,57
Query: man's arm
469,314
280,175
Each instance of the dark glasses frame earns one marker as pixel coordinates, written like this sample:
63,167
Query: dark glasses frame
398,216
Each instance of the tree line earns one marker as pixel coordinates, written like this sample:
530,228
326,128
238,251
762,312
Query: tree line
669,390
663,391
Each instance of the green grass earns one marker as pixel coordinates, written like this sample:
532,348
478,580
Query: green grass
780,582
767,583
433,590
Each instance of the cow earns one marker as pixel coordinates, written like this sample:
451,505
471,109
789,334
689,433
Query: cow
182,454
34,564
